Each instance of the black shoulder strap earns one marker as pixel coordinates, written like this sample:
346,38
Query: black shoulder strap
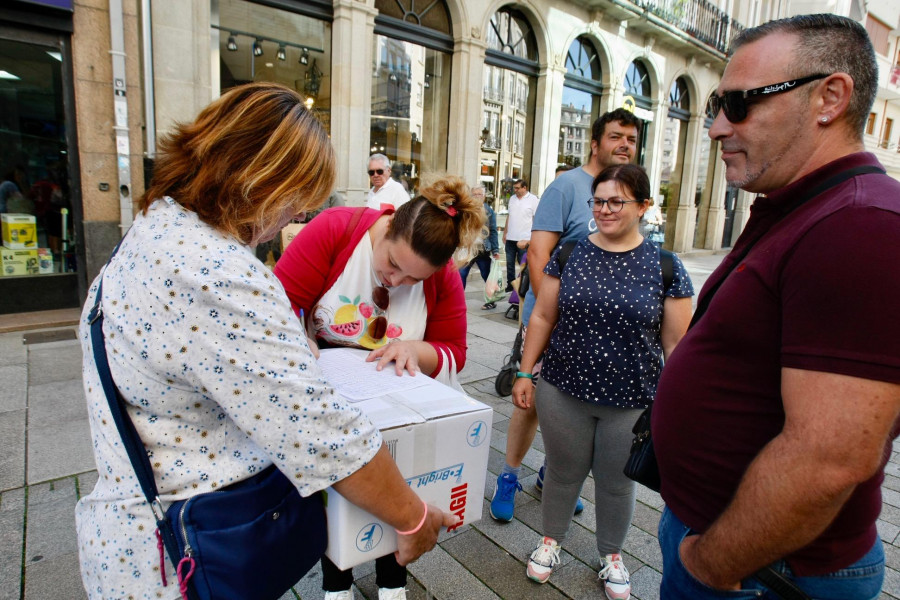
667,263
564,251
829,183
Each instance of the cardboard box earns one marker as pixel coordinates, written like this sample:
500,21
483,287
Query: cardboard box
440,440
45,261
19,262
19,231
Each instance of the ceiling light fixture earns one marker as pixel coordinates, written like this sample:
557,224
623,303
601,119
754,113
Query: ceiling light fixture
257,47
282,52
304,57
232,43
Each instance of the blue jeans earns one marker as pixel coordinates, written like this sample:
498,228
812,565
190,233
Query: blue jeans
860,581
514,254
483,260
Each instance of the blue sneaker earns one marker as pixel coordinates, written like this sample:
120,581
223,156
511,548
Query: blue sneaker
504,501
539,484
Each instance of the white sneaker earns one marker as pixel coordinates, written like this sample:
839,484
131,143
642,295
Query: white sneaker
345,595
542,560
617,580
391,593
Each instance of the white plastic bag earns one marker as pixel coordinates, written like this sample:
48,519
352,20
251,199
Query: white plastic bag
494,290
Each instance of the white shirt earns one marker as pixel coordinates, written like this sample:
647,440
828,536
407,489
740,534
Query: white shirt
392,193
521,213
220,383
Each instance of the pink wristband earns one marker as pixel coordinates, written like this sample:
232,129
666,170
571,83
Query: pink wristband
419,526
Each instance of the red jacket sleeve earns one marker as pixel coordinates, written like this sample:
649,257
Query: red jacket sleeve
446,325
304,267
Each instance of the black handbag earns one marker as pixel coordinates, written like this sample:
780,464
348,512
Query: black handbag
641,465
253,539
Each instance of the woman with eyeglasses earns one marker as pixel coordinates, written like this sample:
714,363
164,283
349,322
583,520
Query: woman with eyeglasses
383,280
607,316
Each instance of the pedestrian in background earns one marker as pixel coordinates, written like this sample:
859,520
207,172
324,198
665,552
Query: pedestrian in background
386,191
490,245
522,206
776,416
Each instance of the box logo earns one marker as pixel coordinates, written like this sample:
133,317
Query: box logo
458,504
369,537
477,434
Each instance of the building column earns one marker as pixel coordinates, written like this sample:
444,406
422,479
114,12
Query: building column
464,128
686,212
353,31
545,148
715,218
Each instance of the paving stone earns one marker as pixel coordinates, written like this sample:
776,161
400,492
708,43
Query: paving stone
892,556
515,537
646,518
12,531
59,440
474,371
12,350
649,497
645,584
503,573
57,578
445,578
891,482
15,387
577,580
86,483
887,531
891,582
51,521
644,547
487,352
55,361
890,497
12,449
492,330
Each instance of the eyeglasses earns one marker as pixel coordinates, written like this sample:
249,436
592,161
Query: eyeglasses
735,103
374,171
381,299
614,204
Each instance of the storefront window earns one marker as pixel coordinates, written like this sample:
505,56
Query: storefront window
411,88
38,226
410,108
259,43
637,90
581,102
511,66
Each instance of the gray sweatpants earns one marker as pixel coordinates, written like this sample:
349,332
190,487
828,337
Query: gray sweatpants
580,437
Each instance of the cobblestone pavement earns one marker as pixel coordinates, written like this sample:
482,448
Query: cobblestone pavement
46,465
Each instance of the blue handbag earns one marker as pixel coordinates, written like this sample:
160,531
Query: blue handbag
253,539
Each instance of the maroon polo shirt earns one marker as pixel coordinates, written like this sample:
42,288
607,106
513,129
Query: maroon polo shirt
818,292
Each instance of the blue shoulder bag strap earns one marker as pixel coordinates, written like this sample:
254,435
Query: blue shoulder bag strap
130,438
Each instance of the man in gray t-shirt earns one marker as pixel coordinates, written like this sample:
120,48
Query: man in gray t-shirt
563,215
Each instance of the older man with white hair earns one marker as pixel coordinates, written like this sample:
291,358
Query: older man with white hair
386,192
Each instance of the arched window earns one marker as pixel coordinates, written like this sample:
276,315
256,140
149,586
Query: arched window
510,77
411,87
580,103
637,87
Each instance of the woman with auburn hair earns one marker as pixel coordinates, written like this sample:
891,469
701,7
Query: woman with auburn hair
213,366
383,280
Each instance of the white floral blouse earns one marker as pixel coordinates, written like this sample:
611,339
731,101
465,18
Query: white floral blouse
203,344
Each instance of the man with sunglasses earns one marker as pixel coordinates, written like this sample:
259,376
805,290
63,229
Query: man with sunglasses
386,192
775,417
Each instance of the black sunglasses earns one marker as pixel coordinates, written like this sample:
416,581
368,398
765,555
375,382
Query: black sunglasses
373,171
377,328
735,103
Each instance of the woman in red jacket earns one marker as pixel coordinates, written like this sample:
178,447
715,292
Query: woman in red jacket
384,281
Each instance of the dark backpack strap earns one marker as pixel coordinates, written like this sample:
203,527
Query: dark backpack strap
563,257
667,264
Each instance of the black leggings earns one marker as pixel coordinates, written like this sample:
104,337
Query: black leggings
388,574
